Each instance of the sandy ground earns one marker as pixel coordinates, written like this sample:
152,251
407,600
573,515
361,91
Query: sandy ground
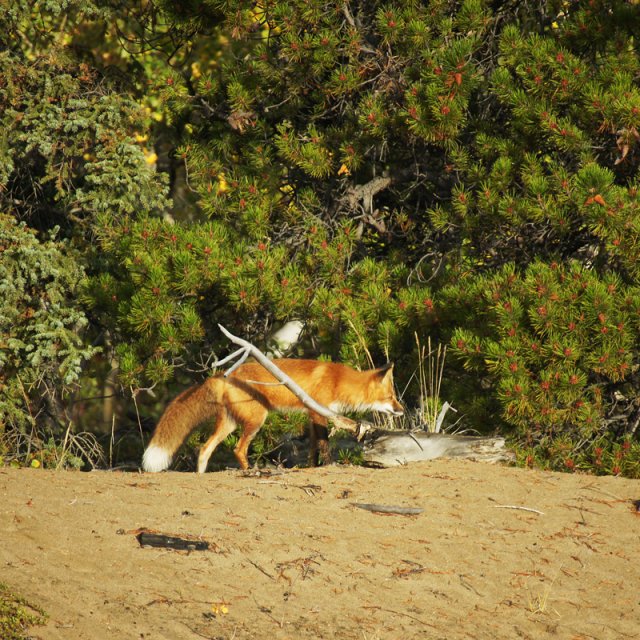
292,557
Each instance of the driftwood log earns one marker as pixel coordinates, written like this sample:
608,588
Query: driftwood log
394,448
388,509
150,539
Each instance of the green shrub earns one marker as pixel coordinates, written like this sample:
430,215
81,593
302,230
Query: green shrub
17,615
42,325
603,456
555,342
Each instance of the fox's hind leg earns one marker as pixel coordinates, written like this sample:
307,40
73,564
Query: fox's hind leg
319,452
251,421
225,425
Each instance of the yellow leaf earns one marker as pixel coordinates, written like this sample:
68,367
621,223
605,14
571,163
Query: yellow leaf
344,170
223,187
219,609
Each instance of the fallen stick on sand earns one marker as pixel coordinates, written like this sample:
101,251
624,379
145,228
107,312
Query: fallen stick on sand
383,508
147,539
510,506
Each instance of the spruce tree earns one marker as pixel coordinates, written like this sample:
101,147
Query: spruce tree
71,165
42,353
554,331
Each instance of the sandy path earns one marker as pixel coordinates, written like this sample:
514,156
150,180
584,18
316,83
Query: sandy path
291,557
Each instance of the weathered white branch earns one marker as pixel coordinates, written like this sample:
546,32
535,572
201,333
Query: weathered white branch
243,356
512,506
231,356
443,412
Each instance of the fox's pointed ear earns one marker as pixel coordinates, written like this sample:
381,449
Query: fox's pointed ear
385,369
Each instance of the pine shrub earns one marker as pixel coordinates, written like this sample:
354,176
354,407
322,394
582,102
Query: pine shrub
555,341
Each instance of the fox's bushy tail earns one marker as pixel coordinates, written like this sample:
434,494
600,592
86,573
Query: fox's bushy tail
191,408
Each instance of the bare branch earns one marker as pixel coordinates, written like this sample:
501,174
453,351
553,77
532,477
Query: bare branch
235,354
365,192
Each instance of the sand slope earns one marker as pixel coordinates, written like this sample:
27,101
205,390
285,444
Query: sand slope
291,557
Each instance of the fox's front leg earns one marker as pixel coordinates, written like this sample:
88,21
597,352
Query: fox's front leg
319,451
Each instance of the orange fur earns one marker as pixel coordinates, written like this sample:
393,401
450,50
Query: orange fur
239,401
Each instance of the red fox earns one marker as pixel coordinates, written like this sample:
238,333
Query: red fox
237,401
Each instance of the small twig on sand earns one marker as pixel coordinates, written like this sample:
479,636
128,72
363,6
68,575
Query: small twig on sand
511,506
309,489
260,569
593,487
400,613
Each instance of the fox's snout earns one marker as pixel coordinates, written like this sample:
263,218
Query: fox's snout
392,408
397,409
387,400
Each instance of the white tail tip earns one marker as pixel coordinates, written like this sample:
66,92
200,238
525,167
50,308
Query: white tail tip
155,459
